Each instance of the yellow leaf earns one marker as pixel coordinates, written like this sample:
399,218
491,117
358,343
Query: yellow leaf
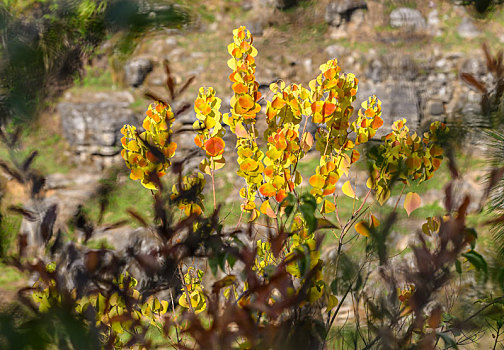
317,181
362,228
382,195
412,202
348,190
332,302
327,207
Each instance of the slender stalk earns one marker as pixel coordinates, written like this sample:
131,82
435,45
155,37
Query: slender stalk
185,289
400,195
176,325
212,170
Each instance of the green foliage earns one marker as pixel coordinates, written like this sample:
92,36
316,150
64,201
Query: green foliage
46,42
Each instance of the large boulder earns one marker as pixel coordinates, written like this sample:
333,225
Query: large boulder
405,17
93,128
136,70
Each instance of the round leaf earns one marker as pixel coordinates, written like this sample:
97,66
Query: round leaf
412,202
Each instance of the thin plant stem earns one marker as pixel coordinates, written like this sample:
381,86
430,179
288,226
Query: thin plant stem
398,199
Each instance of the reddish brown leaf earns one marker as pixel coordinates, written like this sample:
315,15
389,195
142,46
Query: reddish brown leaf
471,80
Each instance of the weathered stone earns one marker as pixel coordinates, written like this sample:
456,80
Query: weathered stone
466,29
255,27
338,12
375,70
403,67
473,66
335,51
136,70
280,4
94,127
405,17
436,107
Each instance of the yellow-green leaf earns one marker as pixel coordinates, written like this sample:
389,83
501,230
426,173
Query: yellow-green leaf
348,190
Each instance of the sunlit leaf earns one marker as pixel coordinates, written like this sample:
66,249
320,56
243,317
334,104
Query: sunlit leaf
412,201
214,146
267,210
362,228
348,190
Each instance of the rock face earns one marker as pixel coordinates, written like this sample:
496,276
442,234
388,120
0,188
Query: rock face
93,128
136,70
407,18
339,12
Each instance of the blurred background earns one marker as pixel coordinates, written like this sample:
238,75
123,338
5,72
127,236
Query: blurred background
72,73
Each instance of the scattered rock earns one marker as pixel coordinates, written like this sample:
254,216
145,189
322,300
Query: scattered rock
473,66
405,17
436,108
433,22
466,29
335,51
279,4
341,11
136,70
375,70
247,5
403,67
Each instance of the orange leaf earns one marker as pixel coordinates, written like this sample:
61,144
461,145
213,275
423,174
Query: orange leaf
170,150
239,88
214,146
280,196
348,190
198,140
278,103
374,221
377,123
267,210
355,156
412,202
317,181
370,113
316,107
267,190
249,165
329,108
317,118
246,102
330,74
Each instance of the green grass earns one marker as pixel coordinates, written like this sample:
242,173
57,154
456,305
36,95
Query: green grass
95,79
129,194
10,277
50,146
